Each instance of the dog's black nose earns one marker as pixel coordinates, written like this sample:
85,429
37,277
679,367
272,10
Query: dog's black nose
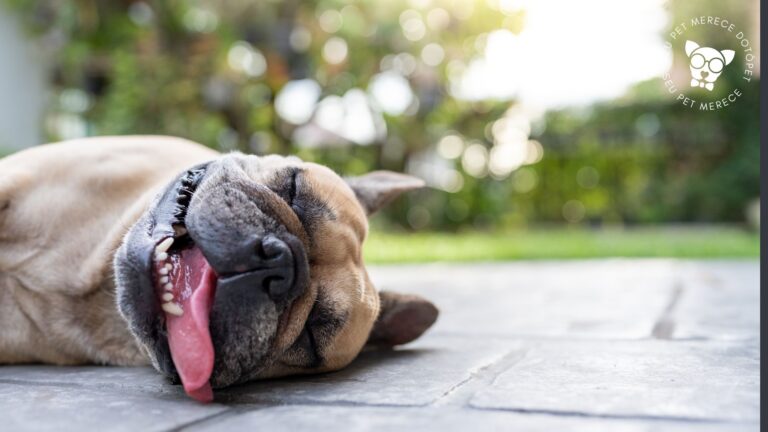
264,263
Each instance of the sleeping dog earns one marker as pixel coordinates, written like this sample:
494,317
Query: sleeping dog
216,269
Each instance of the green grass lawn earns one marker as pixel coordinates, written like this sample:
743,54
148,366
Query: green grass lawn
563,243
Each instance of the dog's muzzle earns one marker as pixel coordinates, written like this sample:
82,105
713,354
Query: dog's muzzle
269,263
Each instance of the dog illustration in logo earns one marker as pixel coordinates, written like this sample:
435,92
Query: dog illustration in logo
706,64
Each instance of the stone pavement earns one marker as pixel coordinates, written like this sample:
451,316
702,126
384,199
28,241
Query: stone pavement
619,345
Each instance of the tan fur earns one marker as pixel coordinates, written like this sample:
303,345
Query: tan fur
337,267
65,209
341,254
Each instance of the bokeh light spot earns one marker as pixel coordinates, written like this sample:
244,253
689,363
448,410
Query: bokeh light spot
587,177
335,50
296,102
450,146
330,21
475,160
432,54
243,57
391,92
574,211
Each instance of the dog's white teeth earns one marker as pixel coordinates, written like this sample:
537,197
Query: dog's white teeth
164,280
173,309
168,267
179,230
162,256
163,246
167,297
168,286
163,271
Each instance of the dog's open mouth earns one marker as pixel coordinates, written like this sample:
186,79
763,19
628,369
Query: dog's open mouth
212,301
185,283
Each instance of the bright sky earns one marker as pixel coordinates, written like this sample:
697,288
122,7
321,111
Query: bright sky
571,53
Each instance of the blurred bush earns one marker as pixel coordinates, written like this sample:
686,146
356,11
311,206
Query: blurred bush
368,85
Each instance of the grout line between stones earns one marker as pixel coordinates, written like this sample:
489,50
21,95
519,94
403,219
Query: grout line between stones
549,338
229,412
460,394
664,327
563,413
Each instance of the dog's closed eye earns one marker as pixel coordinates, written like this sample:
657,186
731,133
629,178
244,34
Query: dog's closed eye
292,186
287,185
294,198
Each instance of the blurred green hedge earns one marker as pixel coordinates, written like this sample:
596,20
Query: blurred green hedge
163,67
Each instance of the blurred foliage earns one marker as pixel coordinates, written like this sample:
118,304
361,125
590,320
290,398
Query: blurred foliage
212,71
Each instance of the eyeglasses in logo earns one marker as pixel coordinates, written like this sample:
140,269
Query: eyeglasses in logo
706,64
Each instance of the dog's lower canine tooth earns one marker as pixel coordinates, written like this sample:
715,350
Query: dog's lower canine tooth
162,256
173,309
167,296
164,245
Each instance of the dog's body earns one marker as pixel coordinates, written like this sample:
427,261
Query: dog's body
64,211
78,224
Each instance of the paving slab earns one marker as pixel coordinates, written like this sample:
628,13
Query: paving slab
613,298
415,375
118,379
652,379
56,408
718,300
618,344
362,419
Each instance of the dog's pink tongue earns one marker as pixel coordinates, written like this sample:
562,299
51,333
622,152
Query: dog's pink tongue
194,283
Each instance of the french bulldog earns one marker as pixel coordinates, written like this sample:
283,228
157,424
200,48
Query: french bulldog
706,64
217,269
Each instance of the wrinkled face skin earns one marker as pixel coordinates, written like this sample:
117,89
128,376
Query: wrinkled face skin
283,239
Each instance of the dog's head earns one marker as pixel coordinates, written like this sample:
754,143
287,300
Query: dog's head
707,63
250,267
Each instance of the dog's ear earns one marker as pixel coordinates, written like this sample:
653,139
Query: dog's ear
728,54
376,189
402,318
690,46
